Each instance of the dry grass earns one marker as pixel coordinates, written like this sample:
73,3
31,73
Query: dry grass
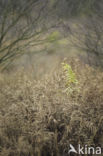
38,118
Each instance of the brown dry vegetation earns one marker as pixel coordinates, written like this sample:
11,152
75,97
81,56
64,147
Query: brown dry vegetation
38,118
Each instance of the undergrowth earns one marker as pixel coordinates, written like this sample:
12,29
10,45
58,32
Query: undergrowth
42,117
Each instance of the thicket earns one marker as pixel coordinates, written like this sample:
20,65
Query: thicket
41,117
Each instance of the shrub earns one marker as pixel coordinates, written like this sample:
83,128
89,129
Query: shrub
37,118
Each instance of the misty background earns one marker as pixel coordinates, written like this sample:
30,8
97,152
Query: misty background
39,34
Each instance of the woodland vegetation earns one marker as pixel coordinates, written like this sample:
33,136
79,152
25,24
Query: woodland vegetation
51,76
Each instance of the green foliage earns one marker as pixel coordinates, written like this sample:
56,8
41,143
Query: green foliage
53,36
70,77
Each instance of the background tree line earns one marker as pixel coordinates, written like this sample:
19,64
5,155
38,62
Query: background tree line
23,22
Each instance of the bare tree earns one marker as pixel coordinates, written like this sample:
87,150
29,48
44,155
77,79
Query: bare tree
19,27
87,36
